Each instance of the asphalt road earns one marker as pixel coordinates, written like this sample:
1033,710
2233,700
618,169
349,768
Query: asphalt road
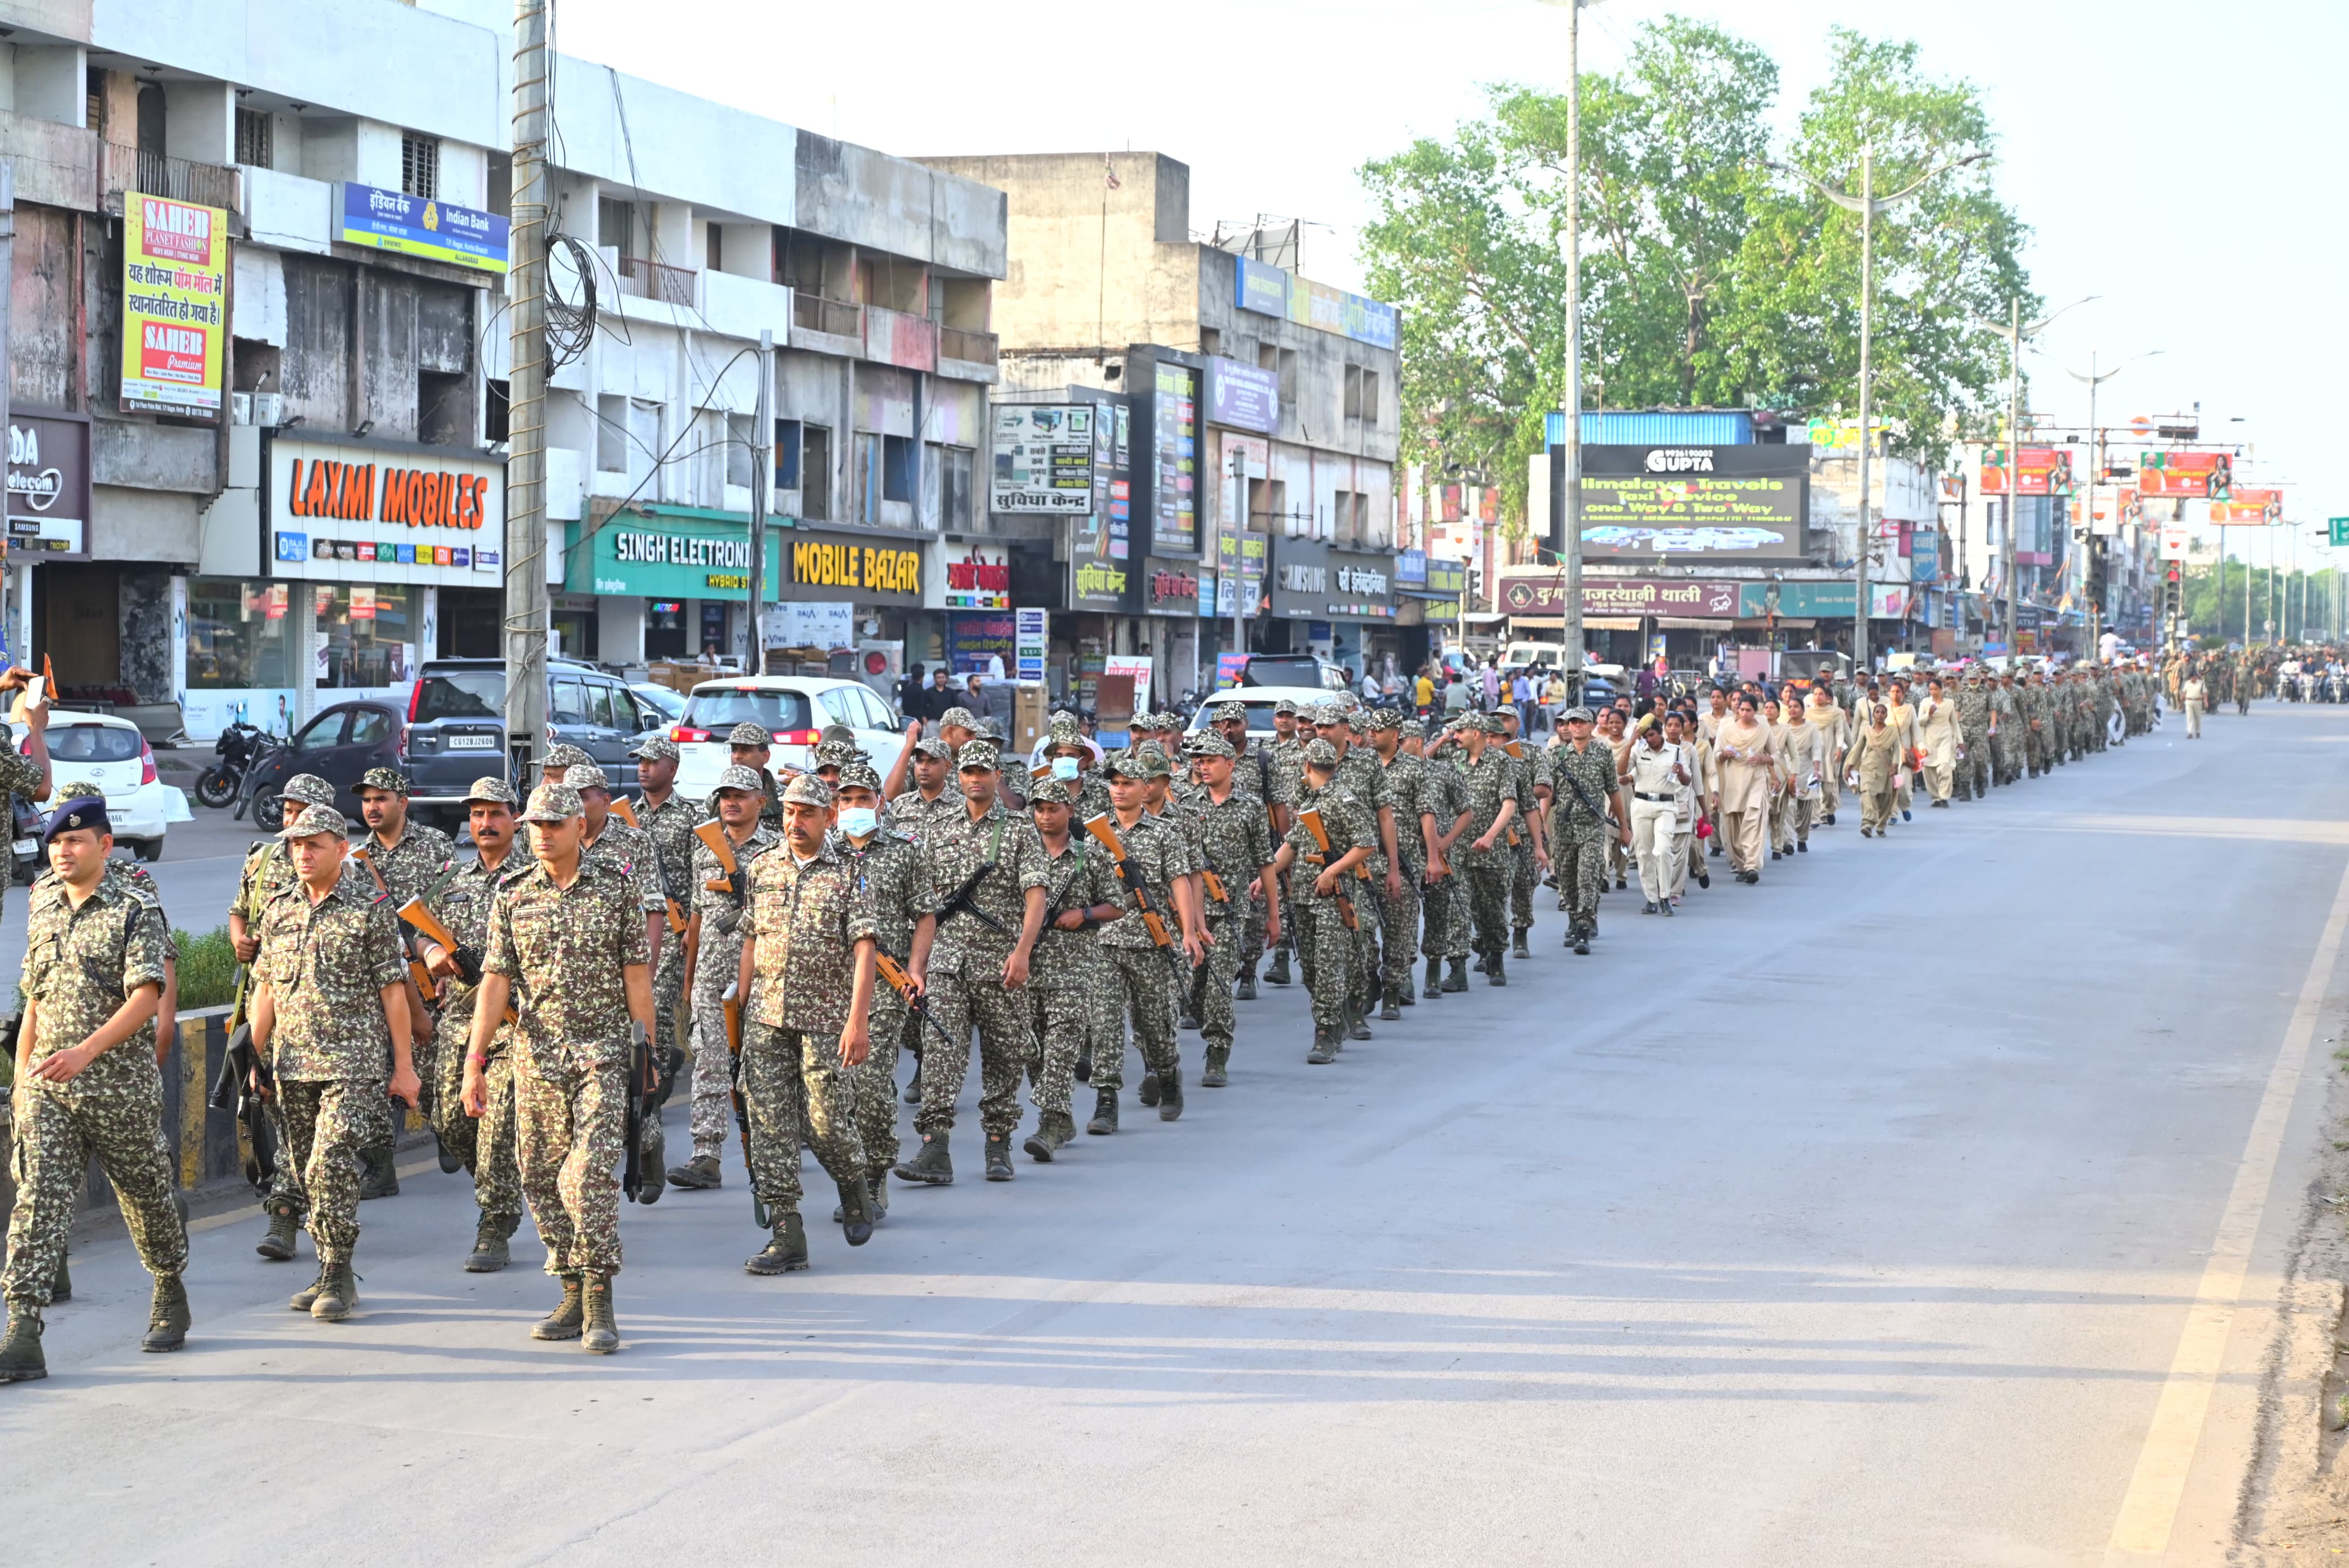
1894,1210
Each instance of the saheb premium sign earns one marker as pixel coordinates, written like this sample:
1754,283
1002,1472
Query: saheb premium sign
1730,503
1543,592
393,513
820,565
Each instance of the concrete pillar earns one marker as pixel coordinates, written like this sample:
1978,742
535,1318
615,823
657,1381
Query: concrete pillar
302,609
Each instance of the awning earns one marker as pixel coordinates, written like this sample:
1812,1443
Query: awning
1692,624
1589,622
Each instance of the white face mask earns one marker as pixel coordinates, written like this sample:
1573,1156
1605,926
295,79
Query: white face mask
858,821
1064,767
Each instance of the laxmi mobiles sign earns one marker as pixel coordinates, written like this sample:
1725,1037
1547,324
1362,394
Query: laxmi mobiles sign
397,512
174,293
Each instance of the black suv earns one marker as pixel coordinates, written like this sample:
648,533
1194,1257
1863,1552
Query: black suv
457,732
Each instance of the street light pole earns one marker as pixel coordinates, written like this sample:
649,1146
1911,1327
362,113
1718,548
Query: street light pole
2094,558
2014,332
1568,548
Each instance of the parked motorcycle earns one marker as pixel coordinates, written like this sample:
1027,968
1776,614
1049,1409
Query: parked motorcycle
266,800
239,746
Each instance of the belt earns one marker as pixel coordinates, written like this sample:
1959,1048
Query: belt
1642,795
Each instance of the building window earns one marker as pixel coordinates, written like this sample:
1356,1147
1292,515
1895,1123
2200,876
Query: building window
1342,515
1353,391
954,487
865,475
239,637
787,455
897,468
419,165
1361,517
815,473
253,135
612,435
1286,363
365,632
494,411
1211,341
713,248
1369,396
615,224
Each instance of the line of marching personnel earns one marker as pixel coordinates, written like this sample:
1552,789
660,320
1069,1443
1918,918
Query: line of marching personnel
792,938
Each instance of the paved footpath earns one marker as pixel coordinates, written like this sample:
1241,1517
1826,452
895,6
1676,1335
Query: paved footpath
1894,1210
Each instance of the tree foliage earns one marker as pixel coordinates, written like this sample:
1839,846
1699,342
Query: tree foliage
1713,276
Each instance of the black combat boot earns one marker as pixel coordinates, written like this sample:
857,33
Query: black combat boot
339,1293
1360,1029
855,1210
1456,979
877,1195
20,1351
1212,1073
277,1243
933,1167
490,1251
1246,990
652,1148
602,1330
564,1321
1325,1046
698,1173
1434,978
1170,1095
1391,1011
1517,948
999,1157
1147,1091
1496,971
1582,936
167,1315
61,1287
785,1251
1054,1129
913,1086
1104,1121
1279,973
379,1174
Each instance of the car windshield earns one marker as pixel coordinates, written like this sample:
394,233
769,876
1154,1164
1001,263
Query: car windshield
461,694
727,707
92,743
1260,715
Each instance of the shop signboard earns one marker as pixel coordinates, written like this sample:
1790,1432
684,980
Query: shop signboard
1044,457
394,512
664,552
48,487
1531,592
1268,290
820,563
1644,503
421,226
2042,471
976,641
1311,579
829,625
1170,587
174,293
975,583
1174,456
1031,641
1925,555
1243,396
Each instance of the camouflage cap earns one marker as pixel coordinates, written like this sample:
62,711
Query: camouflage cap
858,775
1493,724
390,778
978,754
1225,710
807,790
493,789
961,716
836,753
1062,719
1578,715
1049,792
565,755
1071,738
310,790
586,776
78,789
1359,720
931,745
1385,719
1285,708
1325,713
553,803
655,748
1208,744
315,821
737,777
749,734
1320,754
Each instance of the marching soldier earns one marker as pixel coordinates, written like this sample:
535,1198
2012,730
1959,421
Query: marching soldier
713,947
807,969
1586,811
1359,775
1142,978
1325,946
971,959
750,745
87,1084
1405,785
895,885
668,820
1234,844
1287,765
1528,852
1492,788
402,859
631,849
1080,895
1974,736
483,1145
567,949
933,796
1444,902
1253,775
331,1018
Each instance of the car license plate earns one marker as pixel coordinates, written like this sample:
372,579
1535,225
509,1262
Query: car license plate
26,846
472,743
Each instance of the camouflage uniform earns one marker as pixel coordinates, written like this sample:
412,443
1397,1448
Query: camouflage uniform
1360,776
1446,901
2008,750
1139,978
1523,873
807,921
717,963
567,953
669,827
895,886
1407,790
1325,947
486,1144
1973,734
965,973
1578,836
407,869
1490,780
1068,971
80,966
1232,839
326,964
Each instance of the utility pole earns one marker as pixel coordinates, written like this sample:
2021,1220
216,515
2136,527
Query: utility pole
761,470
526,541
2093,573
1239,521
1566,536
2014,463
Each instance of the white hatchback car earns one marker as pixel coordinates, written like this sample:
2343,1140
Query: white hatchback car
793,709
110,753
1262,700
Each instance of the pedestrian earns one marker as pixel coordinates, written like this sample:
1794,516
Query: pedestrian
1746,762
806,972
1803,754
1871,761
1657,772
567,951
331,1018
1324,904
1586,812
886,861
87,1084
1937,741
1456,700
713,952
2195,696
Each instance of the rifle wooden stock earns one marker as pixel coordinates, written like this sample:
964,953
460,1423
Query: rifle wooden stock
416,914
1215,889
1310,820
1515,748
731,1005
417,975
626,812
713,833
1131,877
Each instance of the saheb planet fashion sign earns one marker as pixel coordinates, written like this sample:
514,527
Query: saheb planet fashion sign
392,512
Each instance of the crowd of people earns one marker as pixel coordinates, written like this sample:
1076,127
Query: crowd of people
782,944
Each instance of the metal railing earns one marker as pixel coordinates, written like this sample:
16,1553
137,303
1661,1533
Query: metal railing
654,281
972,348
814,312
129,170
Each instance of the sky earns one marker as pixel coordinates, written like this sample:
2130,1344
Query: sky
2176,165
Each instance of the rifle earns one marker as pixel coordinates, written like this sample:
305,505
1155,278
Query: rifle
417,975
244,1085
1309,820
1129,877
731,1005
713,834
468,960
893,974
642,1084
627,812
959,901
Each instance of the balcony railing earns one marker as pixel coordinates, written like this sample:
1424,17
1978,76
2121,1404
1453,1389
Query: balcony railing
133,169
970,347
814,312
654,281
